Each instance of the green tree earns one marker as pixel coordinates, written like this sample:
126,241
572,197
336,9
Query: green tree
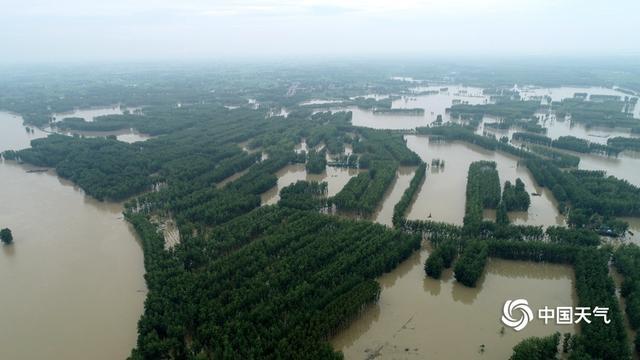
537,348
5,236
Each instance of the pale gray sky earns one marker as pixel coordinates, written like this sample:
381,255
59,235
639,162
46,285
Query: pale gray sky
61,30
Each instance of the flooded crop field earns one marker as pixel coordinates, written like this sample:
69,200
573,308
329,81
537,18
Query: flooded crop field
418,317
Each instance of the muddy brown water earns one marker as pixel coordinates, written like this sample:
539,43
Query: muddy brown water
89,114
384,212
442,196
335,177
421,318
73,285
626,166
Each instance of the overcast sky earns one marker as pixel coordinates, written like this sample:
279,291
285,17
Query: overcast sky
87,30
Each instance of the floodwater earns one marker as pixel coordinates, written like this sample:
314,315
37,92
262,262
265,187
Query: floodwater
384,213
564,92
421,318
634,230
335,177
124,135
89,114
73,285
442,196
626,166
557,128
13,134
438,98
319,102
433,105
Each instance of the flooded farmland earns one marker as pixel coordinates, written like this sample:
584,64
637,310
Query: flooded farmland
335,177
89,114
433,104
442,196
418,317
384,213
73,279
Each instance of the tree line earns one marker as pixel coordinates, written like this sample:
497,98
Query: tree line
363,192
400,209
627,261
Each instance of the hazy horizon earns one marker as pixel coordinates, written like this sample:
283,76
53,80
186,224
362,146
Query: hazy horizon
35,31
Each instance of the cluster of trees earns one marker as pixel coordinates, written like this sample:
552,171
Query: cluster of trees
440,258
568,236
539,251
594,197
530,125
301,277
573,143
102,123
483,191
583,146
316,162
515,198
104,168
560,158
363,192
627,260
489,142
623,143
596,288
349,161
381,145
532,138
400,111
400,209
304,195
535,348
331,133
506,109
607,113
470,266
6,237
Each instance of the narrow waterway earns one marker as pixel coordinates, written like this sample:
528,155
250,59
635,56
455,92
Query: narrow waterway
384,212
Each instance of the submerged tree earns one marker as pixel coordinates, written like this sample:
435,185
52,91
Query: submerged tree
5,236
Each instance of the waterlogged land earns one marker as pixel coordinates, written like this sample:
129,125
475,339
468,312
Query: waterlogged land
72,282
384,213
335,177
91,275
90,114
421,318
442,196
433,104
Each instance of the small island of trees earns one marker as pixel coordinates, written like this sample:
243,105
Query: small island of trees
5,236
